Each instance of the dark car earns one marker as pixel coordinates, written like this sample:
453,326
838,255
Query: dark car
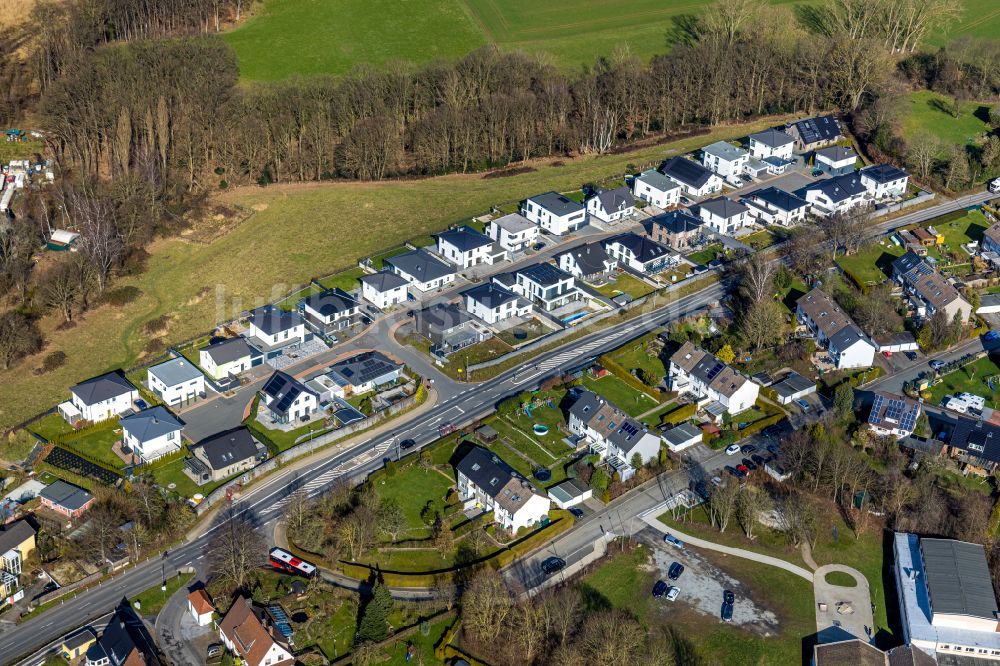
758,459
727,612
743,470
659,589
553,564
576,511
701,489
728,597
773,449
748,448
141,404
910,355
771,431
732,470
749,464
537,246
675,571
407,444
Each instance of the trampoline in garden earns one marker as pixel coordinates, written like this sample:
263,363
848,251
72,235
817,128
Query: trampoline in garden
542,474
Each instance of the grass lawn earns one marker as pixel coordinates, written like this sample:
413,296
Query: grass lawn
285,439
423,646
706,255
923,113
50,426
872,264
633,356
533,329
200,283
334,631
971,379
627,284
679,272
654,419
796,290
413,487
965,229
477,353
152,600
183,485
348,280
629,400
20,150
378,261
760,239
97,445
292,302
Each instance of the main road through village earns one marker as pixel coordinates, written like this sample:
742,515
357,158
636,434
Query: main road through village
263,502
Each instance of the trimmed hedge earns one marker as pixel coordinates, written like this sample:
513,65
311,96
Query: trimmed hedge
679,415
619,371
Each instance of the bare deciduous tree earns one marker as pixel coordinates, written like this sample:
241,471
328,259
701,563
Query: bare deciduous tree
236,550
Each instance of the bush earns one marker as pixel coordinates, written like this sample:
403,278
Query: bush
53,360
679,415
618,371
122,295
157,325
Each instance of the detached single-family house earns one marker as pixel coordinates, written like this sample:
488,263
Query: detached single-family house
681,437
718,387
554,213
814,133
17,542
222,455
286,399
544,285
422,269
723,215
465,247
363,373
65,498
124,642
612,434
384,289
975,443
200,607
771,143
589,262
694,179
894,415
835,330
835,195
252,635
494,303
330,310
99,399
611,205
677,229
487,482
773,206
152,433
836,160
884,181
640,253
655,188
176,381
276,328
929,290
228,358
514,232
724,159
991,239
449,327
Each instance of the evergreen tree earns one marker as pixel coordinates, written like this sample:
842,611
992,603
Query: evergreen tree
374,625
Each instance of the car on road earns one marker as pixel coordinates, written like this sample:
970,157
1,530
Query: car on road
446,428
407,444
675,571
936,364
673,541
576,511
743,470
749,464
727,612
673,592
748,448
732,449
991,336
659,589
553,564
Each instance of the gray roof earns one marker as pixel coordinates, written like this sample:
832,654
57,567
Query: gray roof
175,371
66,495
283,389
442,317
792,384
151,423
682,433
615,200
99,389
884,173
772,138
514,222
779,199
14,534
958,578
819,128
229,350
421,264
687,172
838,188
657,180
496,478
225,448
557,204
363,368
331,302
490,294
724,150
724,207
836,153
272,320
677,222
544,274
846,337
384,281
606,418
644,248
465,238
590,258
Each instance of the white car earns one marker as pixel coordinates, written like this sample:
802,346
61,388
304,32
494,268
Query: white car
672,593
732,449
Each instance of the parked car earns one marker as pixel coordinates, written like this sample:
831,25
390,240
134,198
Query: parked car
553,564
675,571
659,589
743,470
214,649
773,449
936,364
731,471
716,480
727,612
673,541
749,464
910,355
576,511
748,448
771,431
759,460
673,592
732,449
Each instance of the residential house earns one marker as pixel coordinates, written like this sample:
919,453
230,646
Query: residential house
835,160
555,213
681,437
544,285
723,215
718,387
76,644
200,607
223,455
252,636
655,188
125,641
814,133
589,262
487,482
834,329
286,399
694,179
363,373
465,247
17,542
884,181
514,232
176,381
331,310
99,399
677,229
724,159
612,434
611,205
894,415
771,143
65,498
991,239
793,387
640,253
422,269
384,289
930,290
494,303
835,195
773,206
152,433
228,358
975,444
272,328
449,327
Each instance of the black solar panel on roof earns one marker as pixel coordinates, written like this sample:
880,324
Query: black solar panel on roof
716,369
281,622
877,409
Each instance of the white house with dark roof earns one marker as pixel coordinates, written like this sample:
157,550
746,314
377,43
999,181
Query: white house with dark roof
835,195
834,329
611,205
99,399
590,262
465,247
494,303
330,310
543,284
612,434
554,212
228,358
152,433
773,206
275,327
655,188
724,159
363,373
816,132
488,483
223,455
884,181
771,143
176,381
286,399
835,160
422,269
640,253
694,179
893,415
514,232
714,384
384,289
723,215
929,290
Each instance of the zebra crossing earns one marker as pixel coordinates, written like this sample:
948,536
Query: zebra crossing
570,354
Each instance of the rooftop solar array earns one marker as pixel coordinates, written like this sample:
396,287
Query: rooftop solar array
281,622
716,369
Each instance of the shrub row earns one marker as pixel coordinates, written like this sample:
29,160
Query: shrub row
617,370
679,415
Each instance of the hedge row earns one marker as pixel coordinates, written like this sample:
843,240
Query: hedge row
619,371
679,415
